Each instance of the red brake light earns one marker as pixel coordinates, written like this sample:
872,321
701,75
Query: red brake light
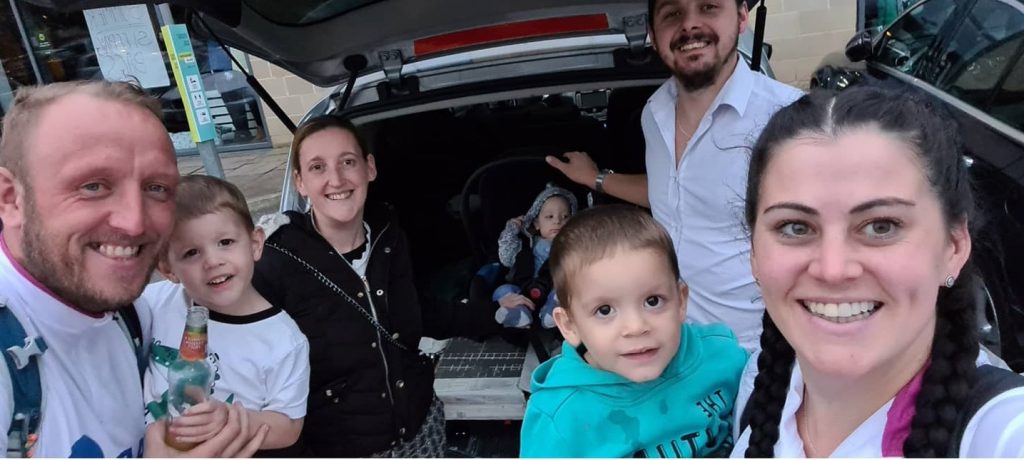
509,31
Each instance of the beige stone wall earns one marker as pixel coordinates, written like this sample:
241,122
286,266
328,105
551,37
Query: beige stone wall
802,32
293,94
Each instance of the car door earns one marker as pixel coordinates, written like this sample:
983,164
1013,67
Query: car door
908,45
981,53
965,54
977,69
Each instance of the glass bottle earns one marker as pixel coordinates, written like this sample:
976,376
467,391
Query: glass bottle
190,377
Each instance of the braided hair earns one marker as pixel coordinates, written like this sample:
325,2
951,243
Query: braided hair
934,136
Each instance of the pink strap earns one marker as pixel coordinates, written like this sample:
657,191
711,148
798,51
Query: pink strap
897,423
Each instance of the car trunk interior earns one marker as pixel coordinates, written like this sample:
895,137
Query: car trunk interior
425,160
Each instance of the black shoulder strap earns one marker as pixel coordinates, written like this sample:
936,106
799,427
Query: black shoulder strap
990,381
128,319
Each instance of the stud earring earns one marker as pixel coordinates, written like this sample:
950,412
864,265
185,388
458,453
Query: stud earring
950,281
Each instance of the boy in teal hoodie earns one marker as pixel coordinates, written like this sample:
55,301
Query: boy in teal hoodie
633,380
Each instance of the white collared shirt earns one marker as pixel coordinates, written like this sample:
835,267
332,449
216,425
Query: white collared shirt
700,202
996,430
92,391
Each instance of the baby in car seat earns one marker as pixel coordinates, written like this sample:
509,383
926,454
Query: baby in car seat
523,247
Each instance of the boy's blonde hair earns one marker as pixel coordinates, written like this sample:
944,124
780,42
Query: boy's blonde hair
201,195
600,232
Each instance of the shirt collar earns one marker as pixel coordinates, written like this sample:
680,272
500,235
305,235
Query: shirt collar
737,90
735,93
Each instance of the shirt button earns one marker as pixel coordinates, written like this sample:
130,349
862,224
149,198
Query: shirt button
387,250
329,393
335,400
393,443
380,292
400,384
373,345
383,395
394,336
401,431
360,295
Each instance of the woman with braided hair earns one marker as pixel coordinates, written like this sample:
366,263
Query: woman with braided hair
859,207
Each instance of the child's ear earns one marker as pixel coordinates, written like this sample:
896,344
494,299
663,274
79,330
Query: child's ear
258,237
566,325
165,269
684,296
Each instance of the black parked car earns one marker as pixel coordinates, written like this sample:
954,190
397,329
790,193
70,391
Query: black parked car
967,54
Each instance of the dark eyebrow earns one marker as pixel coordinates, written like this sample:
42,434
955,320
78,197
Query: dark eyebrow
794,206
881,202
892,201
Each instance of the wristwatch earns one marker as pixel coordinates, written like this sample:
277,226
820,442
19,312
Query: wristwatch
599,182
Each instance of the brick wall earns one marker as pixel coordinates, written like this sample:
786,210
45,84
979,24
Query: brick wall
802,32
293,94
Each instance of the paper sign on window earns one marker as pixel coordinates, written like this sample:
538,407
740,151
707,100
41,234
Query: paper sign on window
126,46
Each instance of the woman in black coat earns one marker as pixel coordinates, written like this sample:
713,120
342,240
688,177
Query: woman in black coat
342,271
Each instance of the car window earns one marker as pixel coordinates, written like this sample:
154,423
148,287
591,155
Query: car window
905,44
981,51
1008,104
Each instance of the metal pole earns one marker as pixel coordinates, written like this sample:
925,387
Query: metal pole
25,41
211,160
207,149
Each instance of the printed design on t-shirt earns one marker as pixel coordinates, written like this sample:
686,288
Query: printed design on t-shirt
86,447
163,356
714,441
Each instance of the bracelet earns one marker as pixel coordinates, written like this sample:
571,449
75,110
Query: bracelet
599,182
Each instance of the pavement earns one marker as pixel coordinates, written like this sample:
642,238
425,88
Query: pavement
259,174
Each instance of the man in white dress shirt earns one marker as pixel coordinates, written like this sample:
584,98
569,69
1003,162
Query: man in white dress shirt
699,127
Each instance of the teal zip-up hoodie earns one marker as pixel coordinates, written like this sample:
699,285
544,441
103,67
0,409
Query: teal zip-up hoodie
579,411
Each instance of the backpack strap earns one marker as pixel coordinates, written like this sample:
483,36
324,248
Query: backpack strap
128,319
990,381
18,350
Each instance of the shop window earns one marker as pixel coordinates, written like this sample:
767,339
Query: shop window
15,66
68,46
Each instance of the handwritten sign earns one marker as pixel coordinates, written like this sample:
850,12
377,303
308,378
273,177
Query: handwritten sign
126,45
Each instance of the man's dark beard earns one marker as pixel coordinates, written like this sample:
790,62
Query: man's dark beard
59,276
699,80
705,78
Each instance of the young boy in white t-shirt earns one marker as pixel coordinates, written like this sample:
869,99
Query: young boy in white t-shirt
259,356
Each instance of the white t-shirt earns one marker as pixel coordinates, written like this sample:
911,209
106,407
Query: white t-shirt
996,430
92,392
260,360
700,201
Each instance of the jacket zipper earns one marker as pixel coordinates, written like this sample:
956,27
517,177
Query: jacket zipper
373,310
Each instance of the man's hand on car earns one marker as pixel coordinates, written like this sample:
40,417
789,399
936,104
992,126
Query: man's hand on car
577,166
